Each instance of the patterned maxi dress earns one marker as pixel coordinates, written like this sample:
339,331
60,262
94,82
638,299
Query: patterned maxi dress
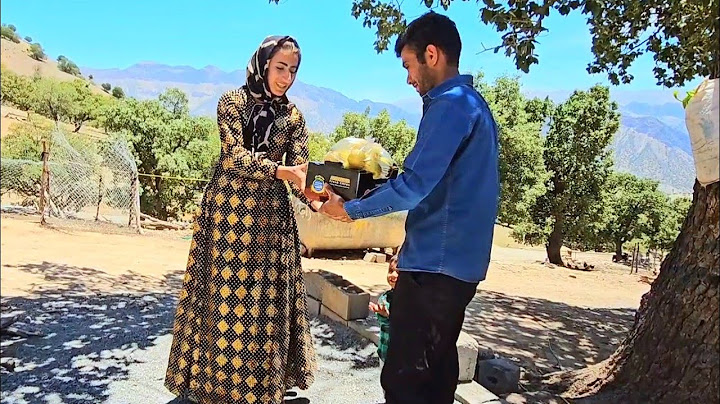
241,332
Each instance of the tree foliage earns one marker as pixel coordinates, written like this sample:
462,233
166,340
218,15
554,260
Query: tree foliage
8,32
16,89
37,52
397,138
682,36
671,220
166,143
522,170
633,209
118,93
175,101
318,146
68,66
577,157
106,86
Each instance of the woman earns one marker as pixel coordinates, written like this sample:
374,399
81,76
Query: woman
241,330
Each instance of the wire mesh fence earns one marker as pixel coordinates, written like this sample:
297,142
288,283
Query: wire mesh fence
87,183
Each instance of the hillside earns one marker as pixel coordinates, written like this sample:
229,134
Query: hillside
16,57
323,108
647,157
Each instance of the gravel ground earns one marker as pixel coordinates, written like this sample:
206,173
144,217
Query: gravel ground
113,349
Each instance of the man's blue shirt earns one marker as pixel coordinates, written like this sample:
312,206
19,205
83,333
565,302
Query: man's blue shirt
449,186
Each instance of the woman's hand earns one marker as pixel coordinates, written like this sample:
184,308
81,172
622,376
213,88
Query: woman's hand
316,205
294,174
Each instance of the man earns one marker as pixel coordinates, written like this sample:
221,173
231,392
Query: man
450,187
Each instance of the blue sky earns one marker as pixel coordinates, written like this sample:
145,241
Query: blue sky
337,50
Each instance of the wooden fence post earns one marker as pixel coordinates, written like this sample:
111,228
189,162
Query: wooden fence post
134,219
45,182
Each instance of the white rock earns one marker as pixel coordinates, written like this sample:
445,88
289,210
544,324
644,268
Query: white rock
467,349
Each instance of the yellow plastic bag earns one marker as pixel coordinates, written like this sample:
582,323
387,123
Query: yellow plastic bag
362,154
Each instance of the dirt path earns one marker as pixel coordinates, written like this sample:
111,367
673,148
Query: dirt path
545,318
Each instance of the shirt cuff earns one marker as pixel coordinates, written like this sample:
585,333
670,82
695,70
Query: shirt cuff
353,210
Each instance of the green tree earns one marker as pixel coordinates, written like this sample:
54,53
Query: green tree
52,98
522,170
9,33
106,86
681,36
175,101
165,145
28,39
37,52
83,105
578,159
671,220
17,90
68,66
118,93
634,209
397,138
671,353
318,146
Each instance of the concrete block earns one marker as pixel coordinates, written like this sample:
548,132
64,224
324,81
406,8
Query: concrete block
314,284
337,294
325,311
473,393
347,300
313,306
375,257
498,375
370,257
467,348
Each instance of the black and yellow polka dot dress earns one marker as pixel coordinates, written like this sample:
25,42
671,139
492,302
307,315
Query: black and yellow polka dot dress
241,332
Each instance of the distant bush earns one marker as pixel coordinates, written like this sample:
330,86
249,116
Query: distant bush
9,33
37,52
118,92
28,39
17,90
68,66
106,86
12,27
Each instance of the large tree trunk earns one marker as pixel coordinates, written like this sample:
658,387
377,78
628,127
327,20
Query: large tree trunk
671,354
618,249
555,242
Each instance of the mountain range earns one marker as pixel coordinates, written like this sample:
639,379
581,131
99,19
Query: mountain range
652,141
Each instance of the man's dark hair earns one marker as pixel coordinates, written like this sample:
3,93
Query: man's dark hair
431,29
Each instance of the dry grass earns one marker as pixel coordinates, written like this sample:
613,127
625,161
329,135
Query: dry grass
16,58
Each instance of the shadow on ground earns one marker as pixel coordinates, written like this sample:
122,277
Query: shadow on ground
87,339
61,278
545,336
90,340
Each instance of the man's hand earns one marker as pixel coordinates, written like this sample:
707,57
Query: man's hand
333,207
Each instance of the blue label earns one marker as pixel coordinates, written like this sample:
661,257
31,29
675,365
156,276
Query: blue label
318,184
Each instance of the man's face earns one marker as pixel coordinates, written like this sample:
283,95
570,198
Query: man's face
419,74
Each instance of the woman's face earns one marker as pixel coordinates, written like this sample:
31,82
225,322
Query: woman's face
281,72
